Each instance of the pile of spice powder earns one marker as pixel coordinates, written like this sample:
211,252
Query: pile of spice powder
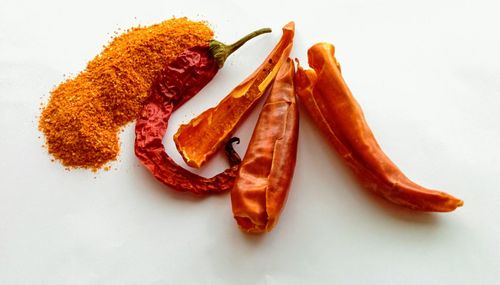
84,115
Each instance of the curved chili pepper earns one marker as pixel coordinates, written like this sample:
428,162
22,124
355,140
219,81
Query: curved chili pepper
261,187
329,102
198,140
180,80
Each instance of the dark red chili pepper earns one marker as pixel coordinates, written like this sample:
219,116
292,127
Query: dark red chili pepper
178,82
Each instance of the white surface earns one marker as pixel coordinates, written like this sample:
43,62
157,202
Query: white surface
427,74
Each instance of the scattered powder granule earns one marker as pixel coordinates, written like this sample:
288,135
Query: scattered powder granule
84,114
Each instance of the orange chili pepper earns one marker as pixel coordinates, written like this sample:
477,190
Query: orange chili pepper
265,174
198,140
329,102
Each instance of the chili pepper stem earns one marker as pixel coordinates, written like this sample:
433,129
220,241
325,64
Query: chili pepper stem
231,154
221,51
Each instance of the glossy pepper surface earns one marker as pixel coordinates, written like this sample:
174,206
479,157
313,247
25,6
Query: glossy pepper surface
261,187
326,97
203,136
178,82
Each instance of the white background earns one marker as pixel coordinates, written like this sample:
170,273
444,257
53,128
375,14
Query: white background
426,73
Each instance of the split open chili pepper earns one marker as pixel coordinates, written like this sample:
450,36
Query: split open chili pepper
328,100
261,187
178,82
203,136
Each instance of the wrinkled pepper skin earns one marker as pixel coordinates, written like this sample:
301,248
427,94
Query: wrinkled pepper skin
328,100
204,135
178,82
181,79
261,187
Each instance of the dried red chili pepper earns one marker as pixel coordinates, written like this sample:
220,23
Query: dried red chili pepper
332,107
261,187
203,136
180,80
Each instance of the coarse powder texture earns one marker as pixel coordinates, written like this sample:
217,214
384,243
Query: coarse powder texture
84,115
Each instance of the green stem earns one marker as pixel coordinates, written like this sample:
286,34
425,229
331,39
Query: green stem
221,51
